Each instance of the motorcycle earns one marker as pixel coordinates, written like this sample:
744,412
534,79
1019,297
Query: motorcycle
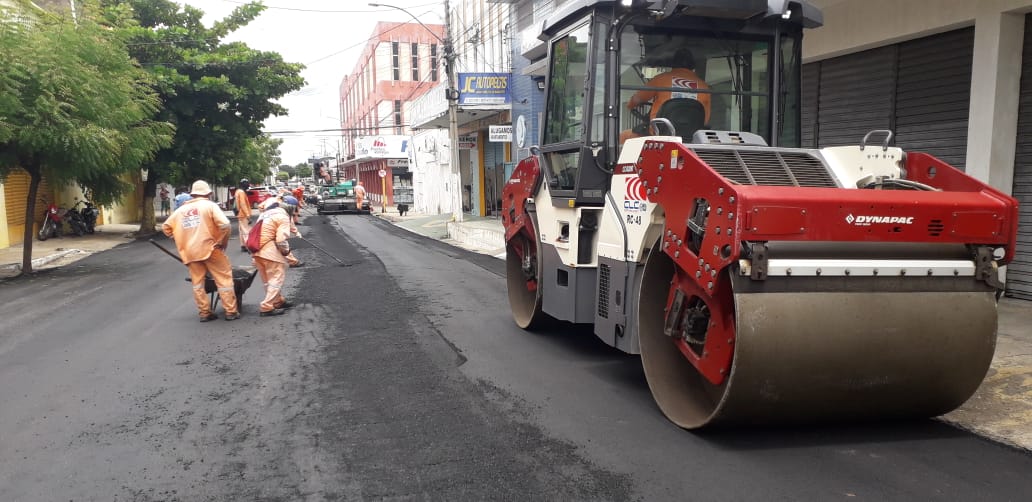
89,214
75,221
51,225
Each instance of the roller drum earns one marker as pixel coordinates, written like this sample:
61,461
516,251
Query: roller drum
838,354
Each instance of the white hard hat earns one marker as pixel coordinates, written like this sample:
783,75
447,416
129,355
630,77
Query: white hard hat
200,188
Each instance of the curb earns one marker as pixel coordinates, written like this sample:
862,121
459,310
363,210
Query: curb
39,262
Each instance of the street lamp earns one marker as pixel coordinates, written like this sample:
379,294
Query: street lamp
452,95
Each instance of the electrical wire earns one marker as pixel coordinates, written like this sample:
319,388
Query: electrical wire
322,11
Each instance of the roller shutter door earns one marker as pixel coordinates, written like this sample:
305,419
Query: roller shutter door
919,89
1019,272
16,190
855,96
810,81
933,94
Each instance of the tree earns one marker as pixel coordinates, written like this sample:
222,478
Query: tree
303,171
74,109
282,176
216,93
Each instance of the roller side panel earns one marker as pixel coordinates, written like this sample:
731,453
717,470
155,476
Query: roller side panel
568,293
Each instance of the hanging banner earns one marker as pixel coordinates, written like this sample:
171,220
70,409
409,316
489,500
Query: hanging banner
381,146
484,88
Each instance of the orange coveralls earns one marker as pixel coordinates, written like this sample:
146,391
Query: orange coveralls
243,207
201,231
271,263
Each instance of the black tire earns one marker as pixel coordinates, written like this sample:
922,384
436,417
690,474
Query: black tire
44,231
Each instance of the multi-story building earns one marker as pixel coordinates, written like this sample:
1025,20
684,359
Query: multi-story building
482,33
400,63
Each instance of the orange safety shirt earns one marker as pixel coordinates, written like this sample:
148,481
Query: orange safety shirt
275,228
197,227
242,204
679,78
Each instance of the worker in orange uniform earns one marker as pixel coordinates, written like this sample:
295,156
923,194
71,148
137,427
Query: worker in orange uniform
271,259
201,232
243,212
682,77
359,196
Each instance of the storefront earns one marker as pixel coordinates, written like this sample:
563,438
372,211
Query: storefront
381,163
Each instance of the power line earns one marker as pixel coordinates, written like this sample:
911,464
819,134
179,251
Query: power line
321,11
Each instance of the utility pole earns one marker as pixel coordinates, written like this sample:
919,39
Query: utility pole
452,95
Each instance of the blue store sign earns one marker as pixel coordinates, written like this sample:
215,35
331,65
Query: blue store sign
484,88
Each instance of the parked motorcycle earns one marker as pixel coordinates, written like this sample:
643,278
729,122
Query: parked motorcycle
75,221
89,214
51,225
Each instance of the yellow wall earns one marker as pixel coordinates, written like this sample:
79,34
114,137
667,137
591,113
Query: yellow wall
4,241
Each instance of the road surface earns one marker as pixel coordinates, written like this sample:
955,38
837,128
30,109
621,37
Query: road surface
397,376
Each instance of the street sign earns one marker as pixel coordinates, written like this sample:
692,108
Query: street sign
383,173
500,133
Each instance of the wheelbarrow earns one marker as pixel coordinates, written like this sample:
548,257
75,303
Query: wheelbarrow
242,279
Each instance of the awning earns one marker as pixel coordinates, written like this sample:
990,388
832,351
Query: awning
536,69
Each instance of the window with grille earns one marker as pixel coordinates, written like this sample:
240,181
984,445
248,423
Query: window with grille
433,62
415,62
396,60
397,116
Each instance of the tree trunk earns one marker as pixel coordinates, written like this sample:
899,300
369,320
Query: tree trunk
148,221
30,208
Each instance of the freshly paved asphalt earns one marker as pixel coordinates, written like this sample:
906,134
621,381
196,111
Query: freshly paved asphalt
399,376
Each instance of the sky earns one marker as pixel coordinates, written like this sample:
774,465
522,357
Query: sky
327,36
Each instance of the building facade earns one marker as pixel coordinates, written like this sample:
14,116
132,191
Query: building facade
400,63
482,33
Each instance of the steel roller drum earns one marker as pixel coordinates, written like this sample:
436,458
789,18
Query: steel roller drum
863,349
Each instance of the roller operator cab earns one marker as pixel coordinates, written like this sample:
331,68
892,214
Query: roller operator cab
670,205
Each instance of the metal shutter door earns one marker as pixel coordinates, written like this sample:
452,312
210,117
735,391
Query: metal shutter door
16,190
856,96
933,94
1019,272
809,83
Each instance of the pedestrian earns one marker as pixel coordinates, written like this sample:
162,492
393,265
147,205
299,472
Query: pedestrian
166,206
271,258
242,208
201,231
360,194
182,195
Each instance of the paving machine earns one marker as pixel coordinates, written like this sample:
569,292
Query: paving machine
759,281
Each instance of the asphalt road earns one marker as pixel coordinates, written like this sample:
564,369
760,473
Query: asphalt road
398,376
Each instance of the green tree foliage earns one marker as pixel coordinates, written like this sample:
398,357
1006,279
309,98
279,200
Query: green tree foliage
74,108
217,93
303,171
282,176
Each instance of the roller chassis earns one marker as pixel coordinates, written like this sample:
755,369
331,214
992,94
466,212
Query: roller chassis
758,283
736,256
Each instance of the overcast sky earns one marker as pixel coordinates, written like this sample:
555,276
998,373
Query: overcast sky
327,36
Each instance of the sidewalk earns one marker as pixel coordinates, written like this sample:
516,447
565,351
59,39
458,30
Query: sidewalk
68,248
1001,409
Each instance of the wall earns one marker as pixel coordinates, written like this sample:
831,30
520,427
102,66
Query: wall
854,25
